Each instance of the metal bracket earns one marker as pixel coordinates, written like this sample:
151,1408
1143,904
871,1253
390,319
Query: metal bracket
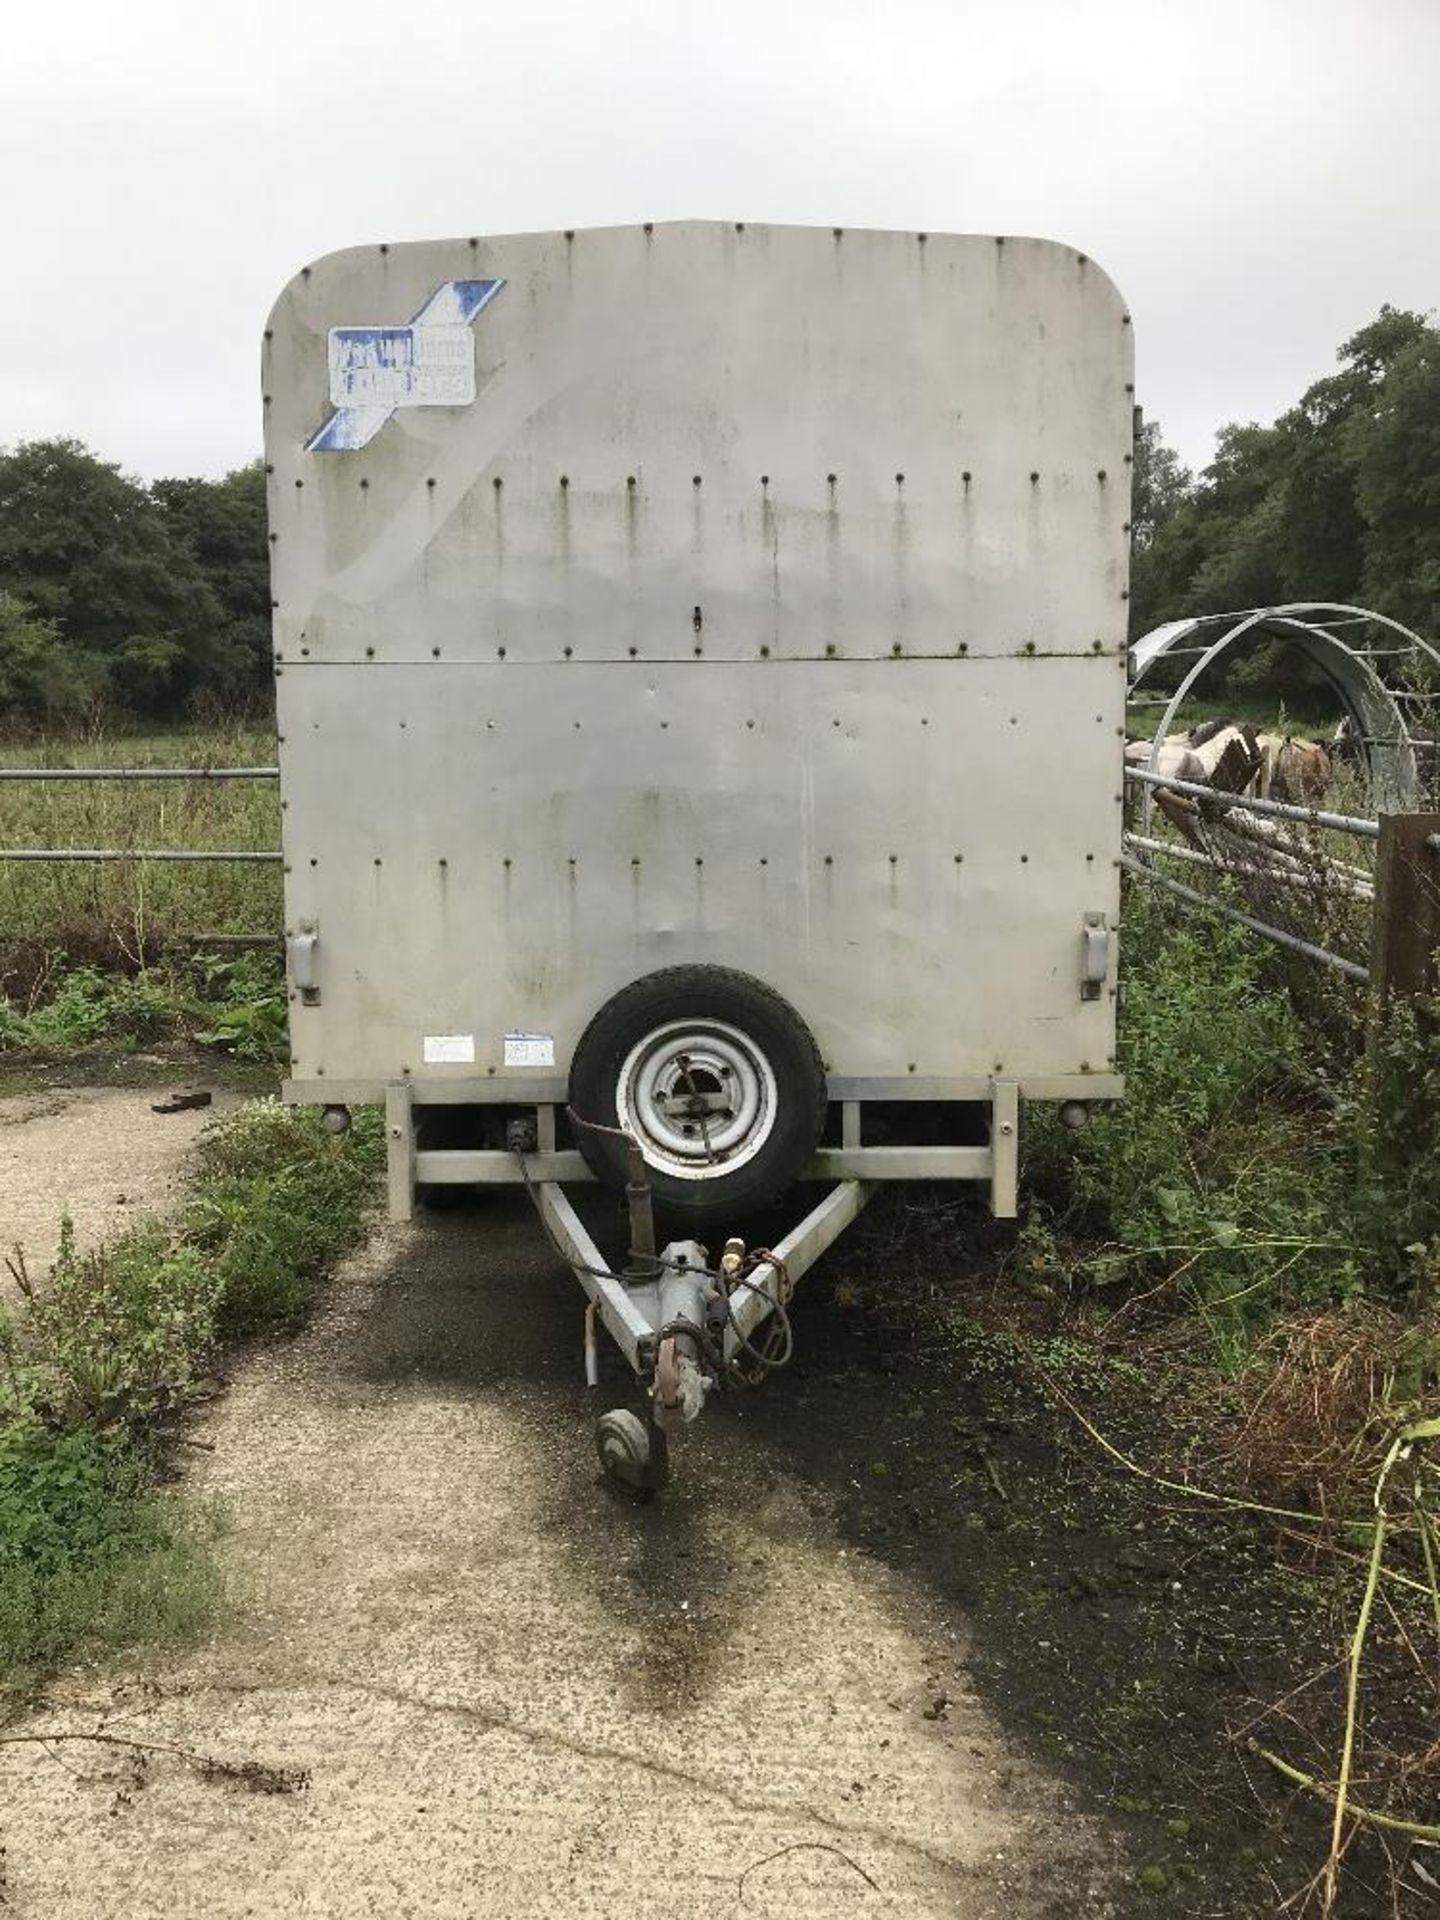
400,1150
1095,956
1004,1149
300,951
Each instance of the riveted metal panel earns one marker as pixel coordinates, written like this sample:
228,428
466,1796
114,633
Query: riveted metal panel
764,607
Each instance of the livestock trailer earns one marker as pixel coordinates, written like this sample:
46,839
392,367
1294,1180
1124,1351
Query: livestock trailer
700,661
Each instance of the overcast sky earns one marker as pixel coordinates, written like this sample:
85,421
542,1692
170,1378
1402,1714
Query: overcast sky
1258,175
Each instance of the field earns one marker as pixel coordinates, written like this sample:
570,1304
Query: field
124,915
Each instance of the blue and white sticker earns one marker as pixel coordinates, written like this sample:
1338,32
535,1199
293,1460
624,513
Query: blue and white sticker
429,362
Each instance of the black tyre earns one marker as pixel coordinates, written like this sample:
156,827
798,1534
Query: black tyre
716,1076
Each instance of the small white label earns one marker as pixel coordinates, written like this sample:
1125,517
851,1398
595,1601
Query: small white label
529,1050
443,1049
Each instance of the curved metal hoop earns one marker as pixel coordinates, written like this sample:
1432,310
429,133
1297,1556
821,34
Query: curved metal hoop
1371,704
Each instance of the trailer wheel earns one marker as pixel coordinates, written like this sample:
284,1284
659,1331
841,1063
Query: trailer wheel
718,1079
632,1455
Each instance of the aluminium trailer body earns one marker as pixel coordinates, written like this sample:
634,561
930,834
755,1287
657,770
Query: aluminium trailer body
700,659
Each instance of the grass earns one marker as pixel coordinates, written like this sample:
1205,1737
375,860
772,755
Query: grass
99,1361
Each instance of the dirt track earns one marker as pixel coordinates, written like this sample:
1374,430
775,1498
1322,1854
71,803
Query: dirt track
514,1693
97,1153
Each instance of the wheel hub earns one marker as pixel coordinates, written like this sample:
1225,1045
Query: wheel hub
699,1096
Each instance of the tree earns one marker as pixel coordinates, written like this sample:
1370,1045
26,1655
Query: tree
223,524
40,679
1160,484
92,553
1395,446
1338,500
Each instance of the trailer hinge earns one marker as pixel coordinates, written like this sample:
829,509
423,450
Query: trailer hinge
1094,957
300,952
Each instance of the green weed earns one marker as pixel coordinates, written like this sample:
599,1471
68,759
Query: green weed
237,1005
277,1200
96,1359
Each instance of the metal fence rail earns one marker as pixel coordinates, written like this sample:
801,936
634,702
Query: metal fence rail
113,854
1277,856
133,853
139,773
1322,955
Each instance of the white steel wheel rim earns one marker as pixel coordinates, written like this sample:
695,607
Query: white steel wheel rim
699,1096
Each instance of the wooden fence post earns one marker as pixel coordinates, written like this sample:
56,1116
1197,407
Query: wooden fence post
1405,939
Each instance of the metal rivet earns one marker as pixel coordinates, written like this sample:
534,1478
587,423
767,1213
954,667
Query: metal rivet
434,655
568,651
369,653
299,483
500,653
764,653
633,652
